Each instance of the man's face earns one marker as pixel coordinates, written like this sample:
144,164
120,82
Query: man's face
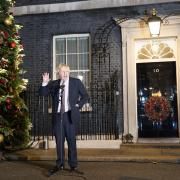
64,73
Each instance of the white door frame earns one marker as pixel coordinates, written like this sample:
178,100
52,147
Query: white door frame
136,29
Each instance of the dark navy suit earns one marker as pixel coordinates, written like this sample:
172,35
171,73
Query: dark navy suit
77,96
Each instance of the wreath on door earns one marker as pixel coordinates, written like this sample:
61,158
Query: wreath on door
157,108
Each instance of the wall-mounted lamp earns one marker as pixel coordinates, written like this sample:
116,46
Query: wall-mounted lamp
154,23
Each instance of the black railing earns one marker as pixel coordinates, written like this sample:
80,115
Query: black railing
98,117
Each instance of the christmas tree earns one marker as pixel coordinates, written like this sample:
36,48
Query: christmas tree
14,119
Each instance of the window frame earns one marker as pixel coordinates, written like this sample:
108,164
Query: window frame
66,36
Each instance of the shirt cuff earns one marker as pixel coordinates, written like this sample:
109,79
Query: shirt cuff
77,105
44,84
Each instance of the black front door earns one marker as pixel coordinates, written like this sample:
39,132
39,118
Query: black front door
157,100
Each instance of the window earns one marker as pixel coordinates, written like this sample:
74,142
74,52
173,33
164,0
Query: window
73,50
161,49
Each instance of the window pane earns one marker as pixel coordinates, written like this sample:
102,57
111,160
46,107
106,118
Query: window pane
60,59
83,61
83,44
84,77
60,46
72,61
72,45
74,74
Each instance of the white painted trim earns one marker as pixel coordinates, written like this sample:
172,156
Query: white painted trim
125,84
160,140
89,144
82,5
72,35
136,29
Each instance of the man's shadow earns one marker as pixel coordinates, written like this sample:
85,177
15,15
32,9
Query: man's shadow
46,165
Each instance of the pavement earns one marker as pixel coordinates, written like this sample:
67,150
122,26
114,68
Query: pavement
37,170
129,162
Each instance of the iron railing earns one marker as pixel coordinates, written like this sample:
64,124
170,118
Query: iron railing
98,117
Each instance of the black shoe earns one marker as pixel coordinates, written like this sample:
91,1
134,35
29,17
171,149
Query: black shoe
72,168
55,169
75,170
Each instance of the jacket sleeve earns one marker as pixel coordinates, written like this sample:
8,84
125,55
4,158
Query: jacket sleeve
45,90
84,97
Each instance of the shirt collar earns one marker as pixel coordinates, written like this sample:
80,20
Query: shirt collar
66,82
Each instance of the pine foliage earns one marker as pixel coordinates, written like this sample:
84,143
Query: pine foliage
14,118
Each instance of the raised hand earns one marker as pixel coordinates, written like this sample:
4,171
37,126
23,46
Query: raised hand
46,78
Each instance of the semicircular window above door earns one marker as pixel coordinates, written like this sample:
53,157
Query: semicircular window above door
155,50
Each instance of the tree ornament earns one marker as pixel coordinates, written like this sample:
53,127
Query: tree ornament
4,34
8,20
13,44
8,107
8,100
3,63
2,81
1,138
21,47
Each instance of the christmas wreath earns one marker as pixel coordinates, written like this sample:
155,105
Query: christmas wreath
157,108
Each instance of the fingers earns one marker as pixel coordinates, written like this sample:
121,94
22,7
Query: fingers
46,78
45,74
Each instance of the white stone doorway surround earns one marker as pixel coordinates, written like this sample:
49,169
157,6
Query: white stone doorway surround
133,30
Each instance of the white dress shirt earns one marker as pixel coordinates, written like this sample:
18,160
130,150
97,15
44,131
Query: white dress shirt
66,89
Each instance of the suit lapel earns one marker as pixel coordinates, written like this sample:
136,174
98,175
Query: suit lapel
56,90
70,88
57,86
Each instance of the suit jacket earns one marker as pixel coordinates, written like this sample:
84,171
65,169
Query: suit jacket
77,95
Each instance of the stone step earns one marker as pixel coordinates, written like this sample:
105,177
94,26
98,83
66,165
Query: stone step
154,145
92,155
151,149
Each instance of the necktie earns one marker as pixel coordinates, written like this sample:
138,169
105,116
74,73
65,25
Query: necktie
63,98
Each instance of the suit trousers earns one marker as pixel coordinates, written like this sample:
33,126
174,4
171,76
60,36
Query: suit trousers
65,129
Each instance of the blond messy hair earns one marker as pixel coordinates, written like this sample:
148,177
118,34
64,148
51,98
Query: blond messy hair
63,65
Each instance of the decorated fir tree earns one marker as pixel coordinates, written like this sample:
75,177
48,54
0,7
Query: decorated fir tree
14,119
